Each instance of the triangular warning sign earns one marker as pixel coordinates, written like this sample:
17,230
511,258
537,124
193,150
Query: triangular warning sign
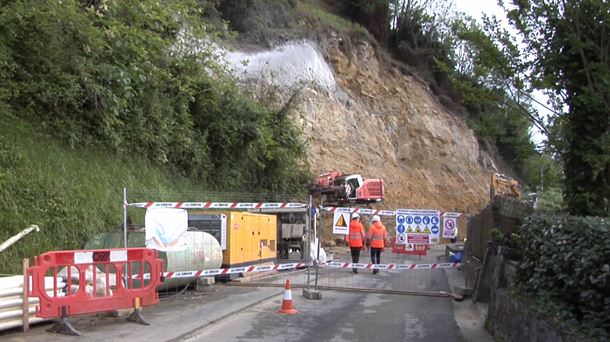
341,222
427,231
409,229
417,230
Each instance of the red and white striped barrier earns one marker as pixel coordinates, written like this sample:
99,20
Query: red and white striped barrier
364,211
281,267
402,267
219,205
232,270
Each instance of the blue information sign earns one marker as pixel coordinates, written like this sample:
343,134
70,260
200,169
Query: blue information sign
400,228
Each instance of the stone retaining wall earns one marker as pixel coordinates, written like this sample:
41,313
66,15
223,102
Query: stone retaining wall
511,319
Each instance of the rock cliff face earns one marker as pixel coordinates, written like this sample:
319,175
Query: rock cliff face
376,121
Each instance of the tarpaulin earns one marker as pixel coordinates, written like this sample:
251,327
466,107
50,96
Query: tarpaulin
166,229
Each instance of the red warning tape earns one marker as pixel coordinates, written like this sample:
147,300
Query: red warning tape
363,211
218,205
402,267
281,267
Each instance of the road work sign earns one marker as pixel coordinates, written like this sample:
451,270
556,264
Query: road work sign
416,226
450,224
341,223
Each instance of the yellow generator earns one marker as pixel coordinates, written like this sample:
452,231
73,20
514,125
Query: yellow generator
245,238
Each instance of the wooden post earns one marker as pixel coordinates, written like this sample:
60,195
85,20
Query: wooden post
26,299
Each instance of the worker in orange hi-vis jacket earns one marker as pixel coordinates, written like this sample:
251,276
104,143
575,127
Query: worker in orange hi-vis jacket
378,236
355,238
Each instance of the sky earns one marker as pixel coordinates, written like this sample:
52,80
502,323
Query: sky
476,9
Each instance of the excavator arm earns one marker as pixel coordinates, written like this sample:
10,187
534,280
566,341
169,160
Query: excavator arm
502,185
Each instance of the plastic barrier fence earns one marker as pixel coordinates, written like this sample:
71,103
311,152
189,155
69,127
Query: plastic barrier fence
95,281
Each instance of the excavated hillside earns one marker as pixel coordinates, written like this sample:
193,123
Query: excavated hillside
361,114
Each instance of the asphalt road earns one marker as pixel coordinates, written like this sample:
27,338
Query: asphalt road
249,313
340,316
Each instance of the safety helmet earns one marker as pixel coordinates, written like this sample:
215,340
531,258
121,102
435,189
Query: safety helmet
376,218
355,216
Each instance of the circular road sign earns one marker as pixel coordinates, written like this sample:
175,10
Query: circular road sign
449,224
400,228
401,238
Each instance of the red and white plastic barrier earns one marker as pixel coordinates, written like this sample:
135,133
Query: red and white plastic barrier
89,291
218,205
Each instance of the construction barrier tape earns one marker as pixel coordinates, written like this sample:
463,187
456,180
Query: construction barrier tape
281,267
263,205
393,266
364,211
218,205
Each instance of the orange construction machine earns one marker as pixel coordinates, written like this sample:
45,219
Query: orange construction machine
505,186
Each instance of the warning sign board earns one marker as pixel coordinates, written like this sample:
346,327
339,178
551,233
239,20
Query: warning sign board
418,238
450,228
422,226
341,223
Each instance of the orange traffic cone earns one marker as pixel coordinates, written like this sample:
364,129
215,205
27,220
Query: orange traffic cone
287,301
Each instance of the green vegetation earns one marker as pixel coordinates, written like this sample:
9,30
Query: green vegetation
70,193
576,78
565,267
101,95
320,20
136,78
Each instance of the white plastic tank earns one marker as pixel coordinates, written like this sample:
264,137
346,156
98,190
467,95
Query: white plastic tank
203,252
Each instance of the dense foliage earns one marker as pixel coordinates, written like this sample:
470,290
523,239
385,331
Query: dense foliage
142,77
567,260
567,53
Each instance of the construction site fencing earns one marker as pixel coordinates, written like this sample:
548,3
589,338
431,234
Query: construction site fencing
93,281
208,216
397,274
415,271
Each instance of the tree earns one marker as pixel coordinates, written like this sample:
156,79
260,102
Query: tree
371,14
567,45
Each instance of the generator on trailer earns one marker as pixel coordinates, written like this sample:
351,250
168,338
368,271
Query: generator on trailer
291,230
245,238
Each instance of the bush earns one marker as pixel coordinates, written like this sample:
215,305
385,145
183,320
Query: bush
118,76
567,259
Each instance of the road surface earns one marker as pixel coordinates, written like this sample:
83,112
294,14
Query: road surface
249,313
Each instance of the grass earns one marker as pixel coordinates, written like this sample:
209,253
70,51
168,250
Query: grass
323,20
70,194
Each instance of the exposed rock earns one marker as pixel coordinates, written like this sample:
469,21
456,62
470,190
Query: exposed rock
382,123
